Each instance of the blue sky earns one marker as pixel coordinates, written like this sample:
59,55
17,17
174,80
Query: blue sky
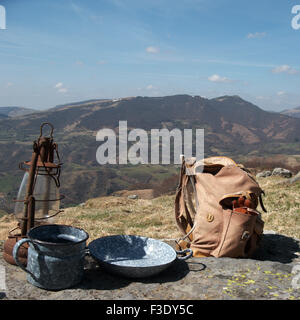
59,51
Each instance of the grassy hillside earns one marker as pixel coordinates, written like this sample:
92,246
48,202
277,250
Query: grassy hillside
155,218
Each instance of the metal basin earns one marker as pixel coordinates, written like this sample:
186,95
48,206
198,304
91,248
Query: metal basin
133,256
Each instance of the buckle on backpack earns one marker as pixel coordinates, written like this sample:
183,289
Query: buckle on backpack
210,217
246,235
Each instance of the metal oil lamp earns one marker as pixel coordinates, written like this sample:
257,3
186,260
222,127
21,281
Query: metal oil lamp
38,199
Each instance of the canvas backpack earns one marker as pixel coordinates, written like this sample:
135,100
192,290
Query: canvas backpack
216,208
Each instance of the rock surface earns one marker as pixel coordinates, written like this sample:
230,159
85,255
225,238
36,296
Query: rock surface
133,196
295,178
282,173
141,193
273,273
264,174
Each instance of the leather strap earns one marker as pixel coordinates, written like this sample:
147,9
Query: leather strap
186,224
261,202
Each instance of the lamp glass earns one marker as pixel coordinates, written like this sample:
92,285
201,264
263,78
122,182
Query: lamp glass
46,195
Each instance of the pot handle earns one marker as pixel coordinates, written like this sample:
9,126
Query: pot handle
183,252
15,253
87,251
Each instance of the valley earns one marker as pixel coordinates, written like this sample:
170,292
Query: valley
232,127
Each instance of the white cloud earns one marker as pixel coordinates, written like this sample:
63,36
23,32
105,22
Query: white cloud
217,78
58,85
76,8
256,35
79,63
84,13
281,93
152,49
261,98
150,87
62,90
285,69
9,84
101,62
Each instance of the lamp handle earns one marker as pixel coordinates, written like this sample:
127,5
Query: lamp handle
50,125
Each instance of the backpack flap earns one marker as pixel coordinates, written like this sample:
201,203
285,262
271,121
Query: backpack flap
240,199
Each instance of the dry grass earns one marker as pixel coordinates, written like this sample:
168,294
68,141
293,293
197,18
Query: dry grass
282,202
116,215
7,223
155,218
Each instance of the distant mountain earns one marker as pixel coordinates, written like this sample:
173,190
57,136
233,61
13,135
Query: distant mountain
233,127
292,112
73,104
15,111
3,116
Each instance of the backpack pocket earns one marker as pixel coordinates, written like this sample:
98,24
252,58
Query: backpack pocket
208,231
254,241
238,229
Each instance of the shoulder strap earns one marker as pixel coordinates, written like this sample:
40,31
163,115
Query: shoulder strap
184,208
